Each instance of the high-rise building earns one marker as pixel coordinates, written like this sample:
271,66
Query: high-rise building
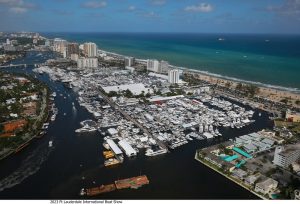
60,45
156,66
74,57
87,62
164,67
72,48
7,41
129,61
284,156
90,49
173,76
153,65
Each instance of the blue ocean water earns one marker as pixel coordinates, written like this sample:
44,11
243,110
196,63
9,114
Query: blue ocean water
264,58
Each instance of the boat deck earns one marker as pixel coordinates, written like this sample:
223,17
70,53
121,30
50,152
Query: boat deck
100,189
134,182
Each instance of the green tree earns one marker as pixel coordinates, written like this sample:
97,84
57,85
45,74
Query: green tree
291,168
112,94
128,93
228,84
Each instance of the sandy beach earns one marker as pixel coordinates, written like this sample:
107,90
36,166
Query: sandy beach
264,92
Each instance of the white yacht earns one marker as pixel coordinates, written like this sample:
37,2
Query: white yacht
151,153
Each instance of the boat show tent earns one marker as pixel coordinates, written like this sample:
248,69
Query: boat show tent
113,146
127,148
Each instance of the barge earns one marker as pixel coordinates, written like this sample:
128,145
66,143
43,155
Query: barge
133,183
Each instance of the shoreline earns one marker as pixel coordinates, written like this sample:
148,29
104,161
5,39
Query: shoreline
26,143
237,80
228,177
272,92
224,77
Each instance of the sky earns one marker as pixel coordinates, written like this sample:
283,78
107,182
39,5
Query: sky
195,16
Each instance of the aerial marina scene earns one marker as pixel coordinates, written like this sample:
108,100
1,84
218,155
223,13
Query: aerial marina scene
168,111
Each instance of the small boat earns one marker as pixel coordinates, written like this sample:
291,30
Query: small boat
106,146
111,162
150,152
53,117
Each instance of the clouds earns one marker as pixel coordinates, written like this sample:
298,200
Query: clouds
18,10
17,6
62,12
202,7
150,14
158,2
153,15
94,4
290,9
131,8
141,12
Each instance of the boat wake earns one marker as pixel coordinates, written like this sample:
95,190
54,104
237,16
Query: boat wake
28,167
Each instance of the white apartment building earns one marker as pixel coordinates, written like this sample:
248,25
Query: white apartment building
164,67
74,57
59,45
90,49
129,61
87,62
284,156
156,66
153,65
173,76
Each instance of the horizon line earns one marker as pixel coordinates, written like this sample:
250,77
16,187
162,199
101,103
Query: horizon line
159,32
